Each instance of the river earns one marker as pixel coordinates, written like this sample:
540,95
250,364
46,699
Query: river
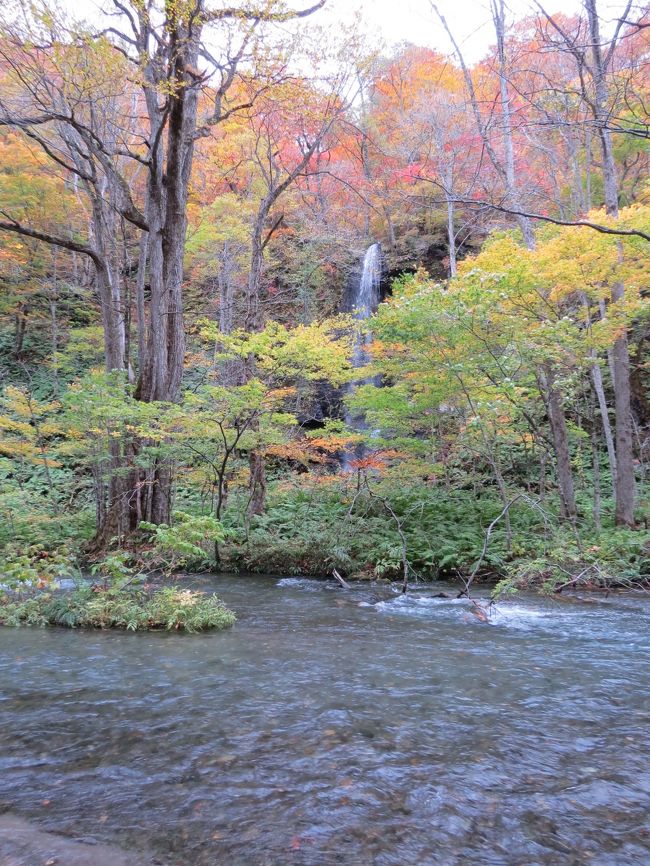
326,728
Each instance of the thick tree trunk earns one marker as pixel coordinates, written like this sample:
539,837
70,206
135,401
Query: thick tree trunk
163,349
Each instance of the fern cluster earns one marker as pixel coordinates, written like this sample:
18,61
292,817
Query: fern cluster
169,608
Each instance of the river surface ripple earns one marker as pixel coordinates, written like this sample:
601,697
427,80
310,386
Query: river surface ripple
326,728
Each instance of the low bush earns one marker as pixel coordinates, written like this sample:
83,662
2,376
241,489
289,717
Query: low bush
314,531
169,608
613,558
188,544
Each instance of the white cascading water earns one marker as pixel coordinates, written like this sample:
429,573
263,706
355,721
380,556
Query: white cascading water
365,301
367,297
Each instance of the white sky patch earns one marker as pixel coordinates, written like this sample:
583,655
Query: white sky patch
396,21
391,22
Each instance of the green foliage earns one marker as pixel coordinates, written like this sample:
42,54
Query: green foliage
33,565
169,608
613,558
114,567
313,531
183,545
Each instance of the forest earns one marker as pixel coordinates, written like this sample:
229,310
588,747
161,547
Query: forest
324,433
194,198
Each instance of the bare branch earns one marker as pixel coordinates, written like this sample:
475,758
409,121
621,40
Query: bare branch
12,225
256,13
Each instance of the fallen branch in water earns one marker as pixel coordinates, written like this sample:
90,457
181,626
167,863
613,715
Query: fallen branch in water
482,612
343,583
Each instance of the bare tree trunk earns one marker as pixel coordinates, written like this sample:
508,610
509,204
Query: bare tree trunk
625,476
595,457
588,168
451,235
505,168
20,319
610,356
252,322
625,480
557,421
161,367
597,380
143,255
498,16
257,485
53,299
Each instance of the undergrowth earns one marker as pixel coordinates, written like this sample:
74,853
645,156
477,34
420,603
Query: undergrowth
169,608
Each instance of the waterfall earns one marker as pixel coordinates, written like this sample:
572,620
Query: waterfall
364,300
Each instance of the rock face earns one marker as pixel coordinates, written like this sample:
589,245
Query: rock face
24,844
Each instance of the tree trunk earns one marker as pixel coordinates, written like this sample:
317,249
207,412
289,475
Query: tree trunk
163,349
557,421
595,457
20,320
257,500
597,380
599,390
451,235
53,298
625,480
498,16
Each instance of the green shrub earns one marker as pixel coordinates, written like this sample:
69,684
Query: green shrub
34,565
169,608
615,557
188,543
314,531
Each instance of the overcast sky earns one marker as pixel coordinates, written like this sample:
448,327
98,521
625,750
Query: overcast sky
395,21
413,20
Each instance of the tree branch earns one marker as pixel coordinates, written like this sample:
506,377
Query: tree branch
253,13
11,225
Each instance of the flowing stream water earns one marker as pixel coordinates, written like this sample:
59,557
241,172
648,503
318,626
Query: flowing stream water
334,727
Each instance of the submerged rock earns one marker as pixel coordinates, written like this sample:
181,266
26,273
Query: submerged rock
24,844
